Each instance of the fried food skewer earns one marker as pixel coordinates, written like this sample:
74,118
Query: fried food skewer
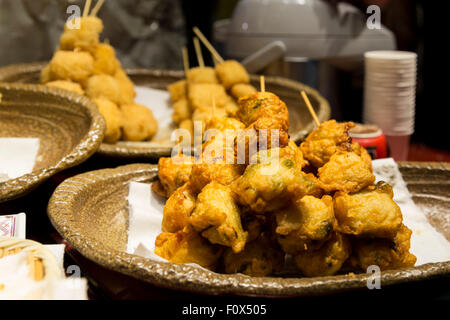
310,108
208,45
97,7
87,7
198,52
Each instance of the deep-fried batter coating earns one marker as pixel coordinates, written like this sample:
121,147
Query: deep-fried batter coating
174,172
362,152
188,125
325,261
126,86
204,173
368,213
70,65
231,108
66,85
322,143
264,185
46,75
386,254
105,61
201,75
177,90
85,38
187,246
181,110
345,171
138,122
259,258
201,96
217,217
205,115
231,72
178,208
103,86
240,90
224,123
306,224
113,118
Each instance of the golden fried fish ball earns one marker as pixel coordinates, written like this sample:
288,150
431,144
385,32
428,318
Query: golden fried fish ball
204,173
240,90
85,38
224,123
326,140
386,254
174,172
103,86
105,61
178,208
66,85
368,213
113,118
231,72
127,92
259,258
325,261
73,66
345,171
181,110
187,246
305,224
138,122
201,75
362,152
201,95
217,217
177,90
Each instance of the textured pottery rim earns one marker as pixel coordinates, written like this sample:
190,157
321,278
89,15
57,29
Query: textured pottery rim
17,71
192,279
86,147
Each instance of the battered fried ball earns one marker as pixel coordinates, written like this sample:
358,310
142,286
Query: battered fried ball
85,38
325,261
177,90
178,208
217,217
126,86
138,122
201,75
204,173
231,72
113,118
231,108
240,90
181,110
187,246
201,96
225,123
362,152
368,213
105,61
188,125
386,254
325,141
306,224
345,171
66,85
73,66
103,86
261,257
174,172
205,115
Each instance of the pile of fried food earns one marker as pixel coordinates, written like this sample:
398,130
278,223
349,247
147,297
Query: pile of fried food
316,203
84,65
191,97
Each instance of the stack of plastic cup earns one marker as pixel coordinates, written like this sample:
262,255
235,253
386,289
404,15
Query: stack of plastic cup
390,96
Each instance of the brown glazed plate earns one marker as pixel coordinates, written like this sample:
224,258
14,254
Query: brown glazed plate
68,125
90,211
288,90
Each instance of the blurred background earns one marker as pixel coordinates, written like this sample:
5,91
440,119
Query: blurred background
320,43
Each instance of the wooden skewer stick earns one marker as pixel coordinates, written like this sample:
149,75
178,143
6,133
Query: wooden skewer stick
262,84
97,7
184,52
198,52
310,108
208,45
87,7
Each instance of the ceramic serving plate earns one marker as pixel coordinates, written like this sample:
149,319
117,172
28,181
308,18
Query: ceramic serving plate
288,90
68,125
90,211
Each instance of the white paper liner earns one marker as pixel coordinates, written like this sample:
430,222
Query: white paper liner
17,156
428,245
